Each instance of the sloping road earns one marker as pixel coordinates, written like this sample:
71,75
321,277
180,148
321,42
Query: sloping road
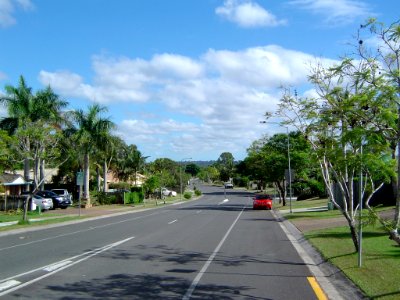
213,248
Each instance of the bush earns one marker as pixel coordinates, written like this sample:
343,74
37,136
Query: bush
133,197
197,192
109,198
187,195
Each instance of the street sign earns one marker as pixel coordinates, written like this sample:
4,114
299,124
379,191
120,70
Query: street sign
291,177
79,178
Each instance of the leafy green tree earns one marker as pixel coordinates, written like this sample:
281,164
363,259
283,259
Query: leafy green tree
344,134
19,102
26,108
267,160
6,161
385,57
167,171
36,141
91,130
225,165
209,174
192,169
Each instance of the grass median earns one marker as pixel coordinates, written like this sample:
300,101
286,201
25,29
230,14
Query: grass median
379,275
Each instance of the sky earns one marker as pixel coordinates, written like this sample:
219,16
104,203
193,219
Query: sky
181,79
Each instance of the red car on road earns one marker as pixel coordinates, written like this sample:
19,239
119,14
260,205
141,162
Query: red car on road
262,202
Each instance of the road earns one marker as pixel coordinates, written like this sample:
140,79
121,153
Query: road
216,247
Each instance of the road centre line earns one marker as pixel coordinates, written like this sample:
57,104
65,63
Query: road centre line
197,279
223,201
169,223
79,231
65,266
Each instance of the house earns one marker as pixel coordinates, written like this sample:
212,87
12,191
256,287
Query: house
138,181
13,184
49,173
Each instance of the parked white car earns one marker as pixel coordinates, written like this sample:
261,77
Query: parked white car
44,203
167,192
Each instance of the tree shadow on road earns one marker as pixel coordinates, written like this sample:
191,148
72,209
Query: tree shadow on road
144,286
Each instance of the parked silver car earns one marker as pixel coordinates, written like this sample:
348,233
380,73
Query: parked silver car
64,193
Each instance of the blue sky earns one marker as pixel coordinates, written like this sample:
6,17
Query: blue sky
180,78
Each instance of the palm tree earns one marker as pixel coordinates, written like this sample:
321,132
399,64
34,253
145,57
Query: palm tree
24,107
19,102
25,111
91,131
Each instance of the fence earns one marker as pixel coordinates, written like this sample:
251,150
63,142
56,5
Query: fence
11,202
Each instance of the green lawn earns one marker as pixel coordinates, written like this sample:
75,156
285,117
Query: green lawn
41,222
379,275
17,215
314,202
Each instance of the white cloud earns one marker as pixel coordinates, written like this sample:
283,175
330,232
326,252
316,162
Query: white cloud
213,102
335,11
247,14
269,66
7,10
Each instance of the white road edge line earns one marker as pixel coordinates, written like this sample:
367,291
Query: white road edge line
169,223
93,253
8,284
58,265
328,288
196,280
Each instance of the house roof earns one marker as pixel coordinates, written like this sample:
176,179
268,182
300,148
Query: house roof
12,179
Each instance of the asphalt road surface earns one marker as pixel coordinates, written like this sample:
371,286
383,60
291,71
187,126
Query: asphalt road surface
216,247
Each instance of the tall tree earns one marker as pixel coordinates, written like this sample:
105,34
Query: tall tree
386,51
225,164
92,129
19,102
344,126
23,108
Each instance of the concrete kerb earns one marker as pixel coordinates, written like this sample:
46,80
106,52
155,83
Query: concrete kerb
334,283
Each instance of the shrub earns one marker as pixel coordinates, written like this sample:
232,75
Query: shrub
109,198
187,195
133,197
197,192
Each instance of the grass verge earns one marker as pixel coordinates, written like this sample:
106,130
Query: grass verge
17,215
41,222
379,275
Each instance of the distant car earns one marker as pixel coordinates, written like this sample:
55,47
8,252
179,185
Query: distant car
64,193
58,201
44,203
262,202
167,192
228,185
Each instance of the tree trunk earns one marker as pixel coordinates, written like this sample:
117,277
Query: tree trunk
25,217
36,177
281,192
42,174
86,174
98,178
27,169
105,186
354,234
